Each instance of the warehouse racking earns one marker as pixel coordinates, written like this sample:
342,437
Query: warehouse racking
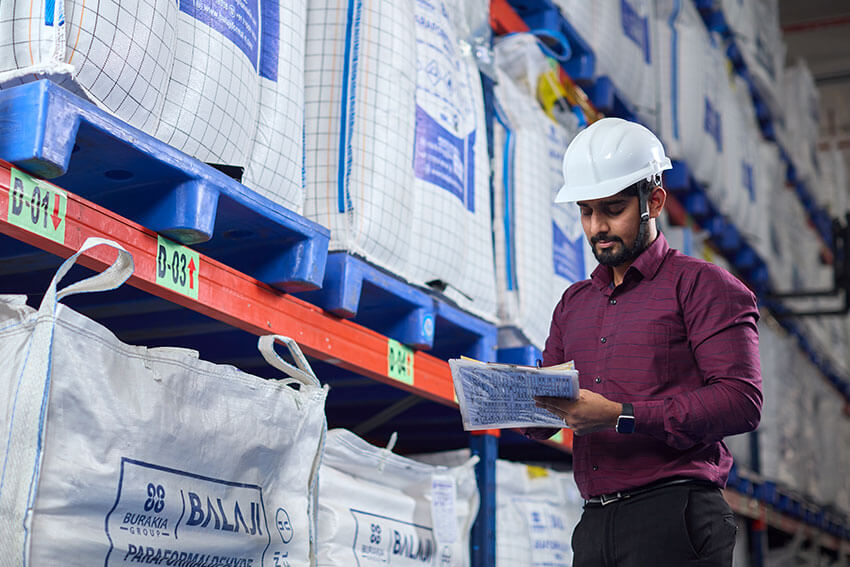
379,368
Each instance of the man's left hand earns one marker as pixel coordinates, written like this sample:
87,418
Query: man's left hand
589,413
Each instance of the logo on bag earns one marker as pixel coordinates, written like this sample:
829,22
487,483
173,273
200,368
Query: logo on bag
167,515
284,526
156,498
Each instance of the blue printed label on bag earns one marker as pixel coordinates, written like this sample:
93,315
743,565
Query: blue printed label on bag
379,540
441,158
567,255
446,114
636,28
173,517
237,20
548,532
712,124
748,180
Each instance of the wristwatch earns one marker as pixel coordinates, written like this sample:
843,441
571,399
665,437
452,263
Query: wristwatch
626,420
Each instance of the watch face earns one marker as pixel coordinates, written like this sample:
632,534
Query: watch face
625,424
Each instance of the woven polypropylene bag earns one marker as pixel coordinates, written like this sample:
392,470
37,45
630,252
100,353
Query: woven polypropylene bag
116,54
115,454
379,508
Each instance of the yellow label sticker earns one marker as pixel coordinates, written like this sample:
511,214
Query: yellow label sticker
37,206
177,267
400,362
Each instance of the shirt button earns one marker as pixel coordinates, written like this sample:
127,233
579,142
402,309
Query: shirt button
598,380
596,467
603,339
613,302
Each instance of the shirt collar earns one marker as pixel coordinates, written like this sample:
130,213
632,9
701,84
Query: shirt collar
647,263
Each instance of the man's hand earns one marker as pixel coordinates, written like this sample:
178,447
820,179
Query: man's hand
591,412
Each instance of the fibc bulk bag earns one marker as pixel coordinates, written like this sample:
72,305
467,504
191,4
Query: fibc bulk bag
275,166
735,195
116,454
691,66
538,254
451,227
212,101
536,512
379,508
360,80
116,54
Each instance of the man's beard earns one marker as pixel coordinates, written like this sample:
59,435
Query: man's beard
627,253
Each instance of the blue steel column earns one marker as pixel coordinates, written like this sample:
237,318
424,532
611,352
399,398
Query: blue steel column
483,537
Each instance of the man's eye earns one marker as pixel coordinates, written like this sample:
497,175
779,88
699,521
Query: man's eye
586,212
615,212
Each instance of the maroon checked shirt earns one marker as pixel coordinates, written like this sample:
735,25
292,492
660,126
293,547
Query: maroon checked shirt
678,339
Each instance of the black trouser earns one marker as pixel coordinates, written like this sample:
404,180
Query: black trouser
665,527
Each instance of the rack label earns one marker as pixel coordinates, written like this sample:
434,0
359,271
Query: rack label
178,268
400,362
37,206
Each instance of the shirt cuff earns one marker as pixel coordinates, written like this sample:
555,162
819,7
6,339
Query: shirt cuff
649,418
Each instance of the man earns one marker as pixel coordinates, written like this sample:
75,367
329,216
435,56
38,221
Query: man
667,352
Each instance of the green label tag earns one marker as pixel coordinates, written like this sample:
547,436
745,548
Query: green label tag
400,362
558,437
178,268
37,206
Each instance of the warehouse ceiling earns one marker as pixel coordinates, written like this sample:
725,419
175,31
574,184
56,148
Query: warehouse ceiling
819,32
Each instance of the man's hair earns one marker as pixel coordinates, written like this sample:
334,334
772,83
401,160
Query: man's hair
642,186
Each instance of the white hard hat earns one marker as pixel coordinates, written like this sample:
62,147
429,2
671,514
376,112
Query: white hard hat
608,156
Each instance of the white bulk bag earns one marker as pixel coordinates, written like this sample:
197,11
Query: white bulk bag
451,226
116,54
275,167
379,508
116,454
360,80
212,101
691,68
537,510
539,244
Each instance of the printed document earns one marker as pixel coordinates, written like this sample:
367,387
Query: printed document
499,396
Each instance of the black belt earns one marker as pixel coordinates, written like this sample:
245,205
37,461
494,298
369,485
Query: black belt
606,499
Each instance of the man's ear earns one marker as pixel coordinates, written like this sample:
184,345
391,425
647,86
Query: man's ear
656,201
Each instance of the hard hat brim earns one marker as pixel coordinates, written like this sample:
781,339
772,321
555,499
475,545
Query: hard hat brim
572,194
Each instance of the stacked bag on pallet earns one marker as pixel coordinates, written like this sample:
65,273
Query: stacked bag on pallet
832,186
692,65
379,508
622,34
540,246
451,226
742,195
801,108
755,27
220,81
397,162
118,454
116,56
537,510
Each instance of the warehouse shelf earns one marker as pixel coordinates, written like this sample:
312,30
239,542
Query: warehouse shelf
378,385
53,134
368,295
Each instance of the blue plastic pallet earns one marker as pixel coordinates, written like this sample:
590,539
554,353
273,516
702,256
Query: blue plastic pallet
607,99
527,355
53,134
457,333
357,290
354,289
544,15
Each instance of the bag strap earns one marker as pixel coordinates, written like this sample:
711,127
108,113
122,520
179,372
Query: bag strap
302,373
20,464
